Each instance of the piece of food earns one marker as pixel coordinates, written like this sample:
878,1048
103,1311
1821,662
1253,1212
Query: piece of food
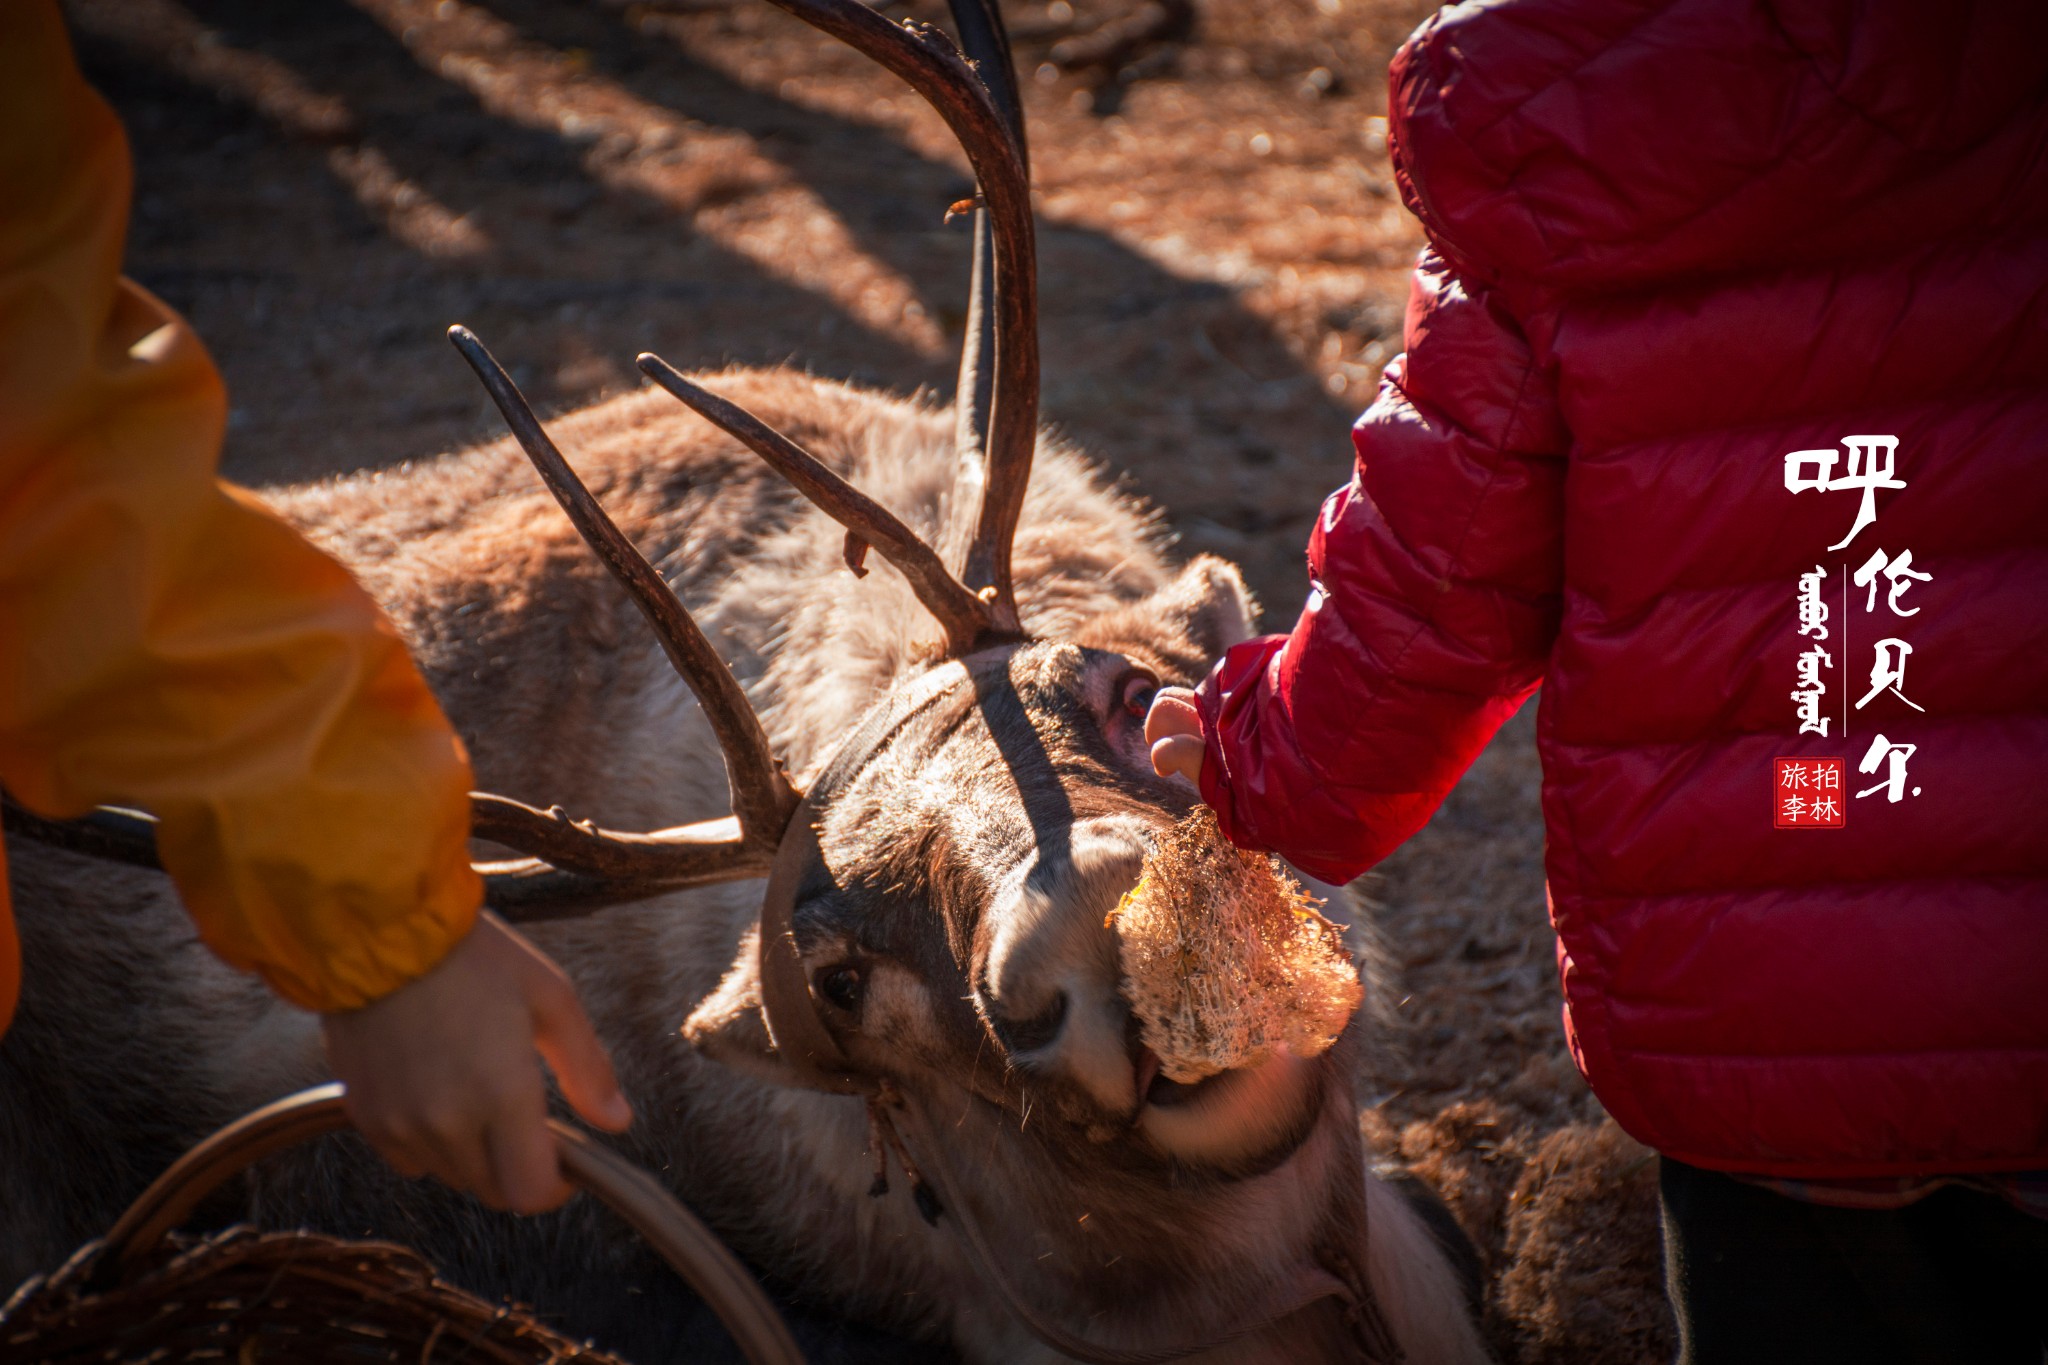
1225,958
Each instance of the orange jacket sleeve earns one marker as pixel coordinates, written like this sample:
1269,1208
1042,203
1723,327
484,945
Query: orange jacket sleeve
165,641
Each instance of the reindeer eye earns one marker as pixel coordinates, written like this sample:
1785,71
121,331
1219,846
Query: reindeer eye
1136,691
843,986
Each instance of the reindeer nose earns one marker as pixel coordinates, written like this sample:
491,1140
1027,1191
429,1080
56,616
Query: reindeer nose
1040,1030
1054,990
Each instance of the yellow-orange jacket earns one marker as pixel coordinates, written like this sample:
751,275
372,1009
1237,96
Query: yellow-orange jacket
166,642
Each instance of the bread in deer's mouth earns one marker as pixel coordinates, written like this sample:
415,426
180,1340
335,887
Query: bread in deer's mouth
1225,959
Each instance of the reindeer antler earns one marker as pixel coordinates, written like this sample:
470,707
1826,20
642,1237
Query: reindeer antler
991,134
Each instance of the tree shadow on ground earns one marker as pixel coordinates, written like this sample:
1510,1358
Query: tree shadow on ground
323,267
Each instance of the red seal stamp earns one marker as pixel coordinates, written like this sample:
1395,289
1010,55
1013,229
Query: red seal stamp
1807,793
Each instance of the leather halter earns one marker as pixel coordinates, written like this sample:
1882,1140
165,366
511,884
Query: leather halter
800,1037
807,1048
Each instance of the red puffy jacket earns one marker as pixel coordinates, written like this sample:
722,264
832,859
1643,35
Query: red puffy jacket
1672,245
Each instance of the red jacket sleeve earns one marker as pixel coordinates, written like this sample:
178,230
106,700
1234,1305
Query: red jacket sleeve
1435,594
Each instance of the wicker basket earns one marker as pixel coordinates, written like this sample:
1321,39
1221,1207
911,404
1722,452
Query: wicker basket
146,1294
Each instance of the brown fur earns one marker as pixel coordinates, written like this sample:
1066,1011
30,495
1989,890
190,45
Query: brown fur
970,858
1569,1217
1582,1247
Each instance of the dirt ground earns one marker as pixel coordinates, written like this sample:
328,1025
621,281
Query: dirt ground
324,186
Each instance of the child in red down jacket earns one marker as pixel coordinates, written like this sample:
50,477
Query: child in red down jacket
1724,419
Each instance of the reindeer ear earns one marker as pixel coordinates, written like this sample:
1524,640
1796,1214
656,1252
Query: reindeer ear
1185,625
728,1026
1209,603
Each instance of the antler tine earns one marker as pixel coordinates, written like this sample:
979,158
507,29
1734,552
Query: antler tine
923,57
983,42
575,868
694,853
974,397
762,797
963,616
986,43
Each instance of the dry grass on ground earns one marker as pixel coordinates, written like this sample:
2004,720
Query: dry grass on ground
324,186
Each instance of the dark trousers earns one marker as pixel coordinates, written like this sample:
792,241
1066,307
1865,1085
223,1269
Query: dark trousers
1958,1278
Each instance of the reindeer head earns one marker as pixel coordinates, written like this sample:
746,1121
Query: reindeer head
934,931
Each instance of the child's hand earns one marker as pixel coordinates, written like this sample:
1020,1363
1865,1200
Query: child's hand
443,1079
1174,730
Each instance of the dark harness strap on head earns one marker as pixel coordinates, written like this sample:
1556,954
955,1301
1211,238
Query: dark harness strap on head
807,1047
791,1012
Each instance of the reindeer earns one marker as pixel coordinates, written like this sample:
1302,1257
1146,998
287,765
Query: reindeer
925,988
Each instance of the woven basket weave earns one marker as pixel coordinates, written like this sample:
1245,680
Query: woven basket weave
244,1296
147,1295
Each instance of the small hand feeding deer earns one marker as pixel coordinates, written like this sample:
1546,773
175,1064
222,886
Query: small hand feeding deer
902,1079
